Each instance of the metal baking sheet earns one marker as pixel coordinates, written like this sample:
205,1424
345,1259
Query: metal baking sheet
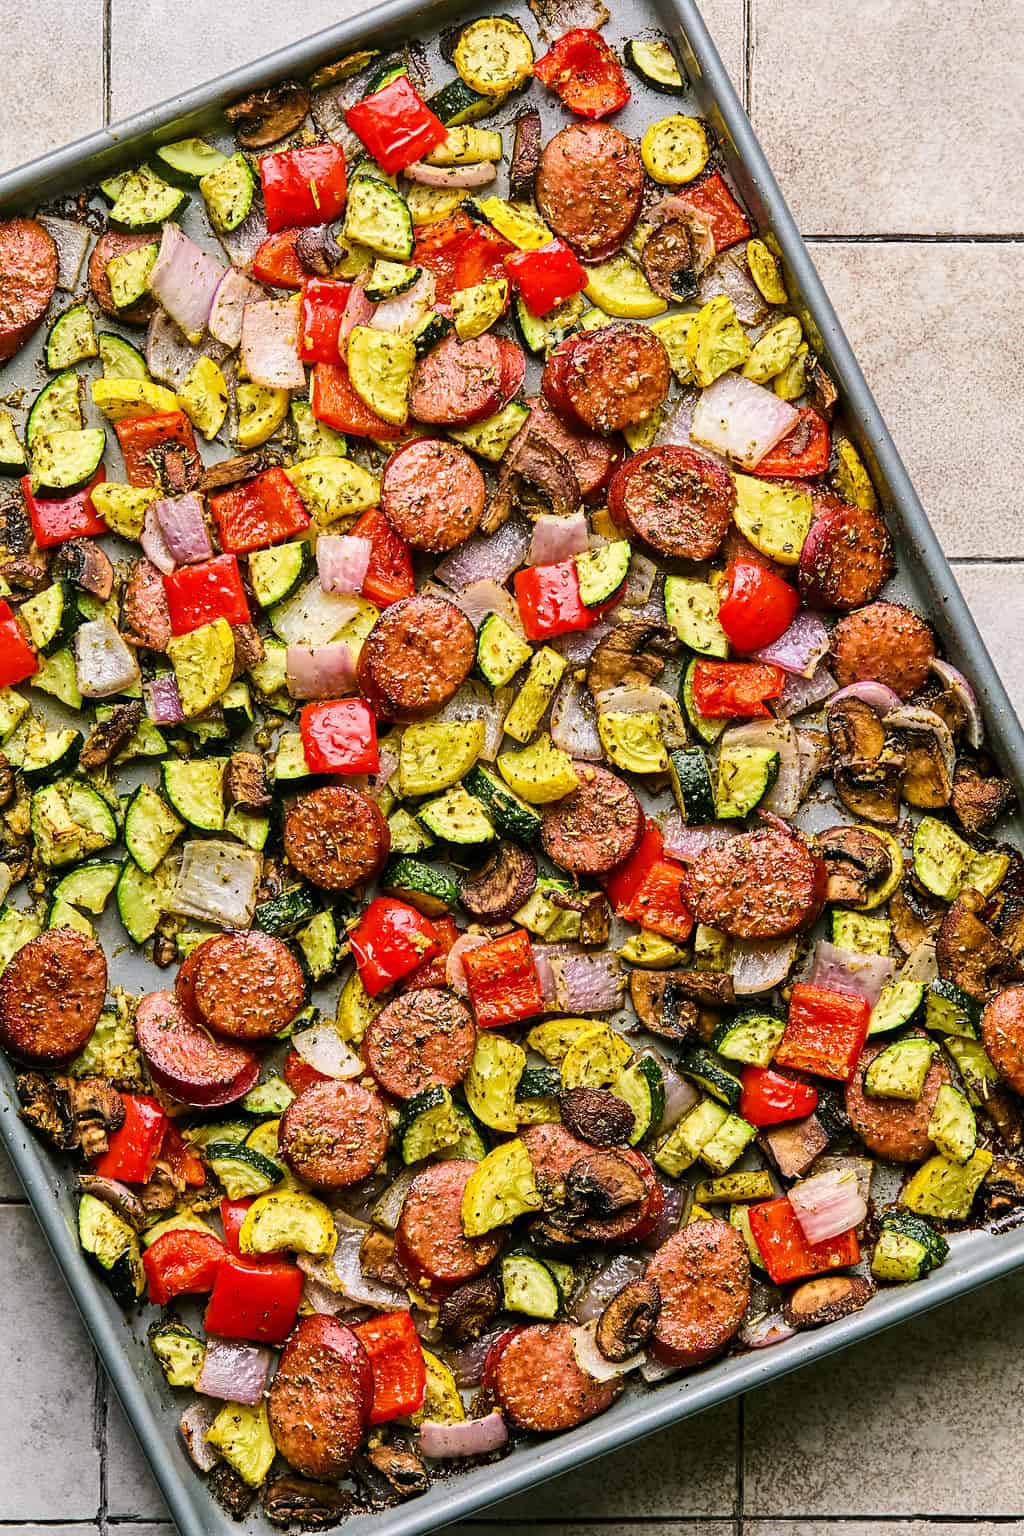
926,579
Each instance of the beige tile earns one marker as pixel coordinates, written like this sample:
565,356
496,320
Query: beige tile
893,115
131,1486
927,1417
934,328
724,20
53,69
995,596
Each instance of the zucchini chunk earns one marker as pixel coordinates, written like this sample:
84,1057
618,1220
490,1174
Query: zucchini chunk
179,1352
145,201
377,217
113,1247
511,815
56,408
908,1248
675,150
494,56
188,161
529,1286
150,828
653,60
228,191
72,339
500,652
12,453
195,788
119,358
429,1125
691,607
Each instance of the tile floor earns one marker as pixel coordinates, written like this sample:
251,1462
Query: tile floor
897,129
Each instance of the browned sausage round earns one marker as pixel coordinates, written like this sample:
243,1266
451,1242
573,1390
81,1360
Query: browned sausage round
678,501
459,382
847,556
320,1398
759,885
430,1244
423,1039
248,986
541,1387
433,494
884,641
145,616
597,827
609,379
1002,1029
593,458
28,277
554,1150
416,657
333,1134
185,981
894,1129
589,187
112,244
184,1060
51,995
336,837
703,1274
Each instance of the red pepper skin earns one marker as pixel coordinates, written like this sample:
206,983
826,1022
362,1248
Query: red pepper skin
323,304
298,1074
504,986
251,1301
390,940
432,973
788,460
263,511
181,1159
389,575
232,1215
132,1151
396,125
584,72
481,255
333,400
198,594
140,436
277,263
17,658
623,883
57,518
340,736
758,606
549,600
714,202
438,248
303,186
771,1098
730,690
825,1032
658,904
786,1252
546,277
396,1359
182,1263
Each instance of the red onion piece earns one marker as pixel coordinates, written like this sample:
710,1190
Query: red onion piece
680,1096
163,701
800,648
72,242
342,561
270,344
323,1048
320,671
674,1203
453,968
483,597
468,1362
813,751
546,976
846,970
184,280
591,1361
342,1272
474,701
574,720
579,645
757,968
921,964
183,525
405,311
192,1427
359,310
763,1332
241,244
877,696
233,293
828,1204
652,1371
729,275
608,1282
233,1371
154,545
468,1437
103,663
320,1298
803,693
741,420
638,588
458,176
587,982
778,736
217,883
688,843
169,356
558,538
954,680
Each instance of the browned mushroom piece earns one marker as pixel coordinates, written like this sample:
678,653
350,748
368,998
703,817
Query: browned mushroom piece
83,562
821,388
8,789
501,885
108,736
597,1116
71,1112
290,1500
825,1300
230,1490
967,951
319,251
915,915
537,461
595,920
400,1468
1003,1186
601,1184
467,1311
928,758
858,862
793,1147
855,731
26,575
632,655
668,262
661,1006
628,1320
245,782
264,117
249,647
526,146
978,801
217,477
871,789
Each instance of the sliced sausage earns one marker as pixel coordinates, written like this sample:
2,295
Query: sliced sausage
423,1039
593,459
513,368
336,837
886,642
185,981
248,986
184,1060
703,1275
433,494
29,267
429,1243
678,501
589,187
459,382
554,1151
759,885
112,244
51,995
145,615
847,556
894,1129
334,1134
416,657
609,379
320,1398
1002,1029
540,1385
597,826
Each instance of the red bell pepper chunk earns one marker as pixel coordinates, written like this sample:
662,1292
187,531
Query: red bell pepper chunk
303,186
149,442
546,277
770,1098
396,125
549,600
334,401
133,1149
803,453
432,973
727,690
254,1301
180,1158
623,883
389,575
182,1263
438,247
658,904
263,511
277,262
715,204
396,1359
323,305
57,518
504,986
825,1031
199,594
584,72
390,940
340,736
17,658
298,1073
786,1252
481,255
232,1216
758,605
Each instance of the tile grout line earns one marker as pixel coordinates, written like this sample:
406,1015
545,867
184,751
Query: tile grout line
748,55
741,1425
102,1426
107,23
906,237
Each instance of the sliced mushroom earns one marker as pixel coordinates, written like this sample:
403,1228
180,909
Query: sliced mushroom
400,1468
229,1490
825,1300
928,753
46,1109
967,951
628,1320
631,655
597,1116
177,467
217,477
660,1005
71,1112
15,528
467,1311
595,920
978,801
1008,905
871,788
318,250
500,886
84,563
712,989
525,153
858,862
667,260
118,1196
8,789
249,647
537,461
915,915
377,1260
267,116
25,575
855,731
108,736
793,1147
601,1184
245,782
1004,1185
290,1500
821,390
